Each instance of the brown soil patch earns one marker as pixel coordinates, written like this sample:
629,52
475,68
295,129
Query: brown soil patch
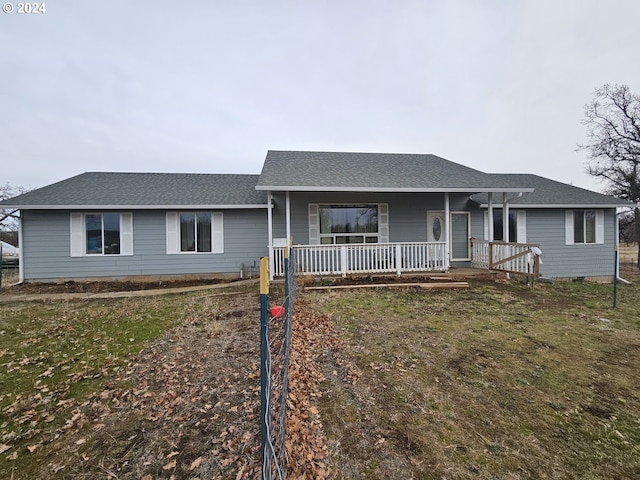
108,285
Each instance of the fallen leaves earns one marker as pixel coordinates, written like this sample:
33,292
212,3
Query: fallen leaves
185,406
196,463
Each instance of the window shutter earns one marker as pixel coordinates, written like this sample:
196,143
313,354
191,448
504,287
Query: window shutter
217,232
173,233
383,222
600,226
77,235
568,227
126,234
314,224
521,226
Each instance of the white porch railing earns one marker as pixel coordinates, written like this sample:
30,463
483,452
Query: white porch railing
506,257
363,258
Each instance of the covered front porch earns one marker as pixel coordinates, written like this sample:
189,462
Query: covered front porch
448,223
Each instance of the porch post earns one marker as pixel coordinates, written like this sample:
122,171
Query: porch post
21,251
288,216
447,226
270,233
490,215
505,218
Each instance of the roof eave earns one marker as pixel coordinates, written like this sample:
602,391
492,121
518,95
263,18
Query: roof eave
298,188
559,205
139,207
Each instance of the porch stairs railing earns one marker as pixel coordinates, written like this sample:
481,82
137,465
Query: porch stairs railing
517,258
364,258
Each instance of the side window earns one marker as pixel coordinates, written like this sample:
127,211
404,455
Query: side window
101,234
584,226
194,232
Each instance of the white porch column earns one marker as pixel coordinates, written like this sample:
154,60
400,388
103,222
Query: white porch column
270,233
447,227
490,215
21,251
288,216
505,218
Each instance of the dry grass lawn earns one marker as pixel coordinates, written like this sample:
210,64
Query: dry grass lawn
502,381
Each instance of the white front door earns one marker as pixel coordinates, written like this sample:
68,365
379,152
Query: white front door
460,236
458,232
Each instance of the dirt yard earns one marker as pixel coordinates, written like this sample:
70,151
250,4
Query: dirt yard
108,285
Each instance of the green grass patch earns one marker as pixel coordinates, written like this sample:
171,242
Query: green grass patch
54,354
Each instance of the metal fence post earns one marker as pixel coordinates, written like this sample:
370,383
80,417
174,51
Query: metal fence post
264,372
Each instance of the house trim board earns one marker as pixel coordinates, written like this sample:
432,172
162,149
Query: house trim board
140,207
308,188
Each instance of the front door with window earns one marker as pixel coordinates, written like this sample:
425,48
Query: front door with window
458,232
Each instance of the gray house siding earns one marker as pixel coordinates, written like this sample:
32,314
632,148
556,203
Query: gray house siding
547,227
407,212
46,248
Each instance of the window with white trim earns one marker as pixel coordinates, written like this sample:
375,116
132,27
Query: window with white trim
584,227
195,232
343,224
517,226
104,233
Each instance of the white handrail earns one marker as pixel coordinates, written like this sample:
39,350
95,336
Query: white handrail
364,258
506,256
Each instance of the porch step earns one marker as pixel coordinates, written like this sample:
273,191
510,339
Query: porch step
426,286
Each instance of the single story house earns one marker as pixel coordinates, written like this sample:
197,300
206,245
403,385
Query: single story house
341,212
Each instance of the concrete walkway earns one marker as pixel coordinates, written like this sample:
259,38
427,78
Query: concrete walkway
124,294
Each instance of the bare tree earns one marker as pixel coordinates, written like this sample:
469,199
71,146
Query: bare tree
613,131
9,217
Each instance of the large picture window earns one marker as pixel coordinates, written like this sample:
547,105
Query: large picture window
340,224
101,234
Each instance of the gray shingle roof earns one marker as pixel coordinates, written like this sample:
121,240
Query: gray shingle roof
548,193
152,190
340,171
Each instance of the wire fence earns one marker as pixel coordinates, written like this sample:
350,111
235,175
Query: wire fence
275,332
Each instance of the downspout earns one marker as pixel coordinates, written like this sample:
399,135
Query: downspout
446,231
20,251
270,232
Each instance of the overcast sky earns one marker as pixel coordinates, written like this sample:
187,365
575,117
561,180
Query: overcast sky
210,86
